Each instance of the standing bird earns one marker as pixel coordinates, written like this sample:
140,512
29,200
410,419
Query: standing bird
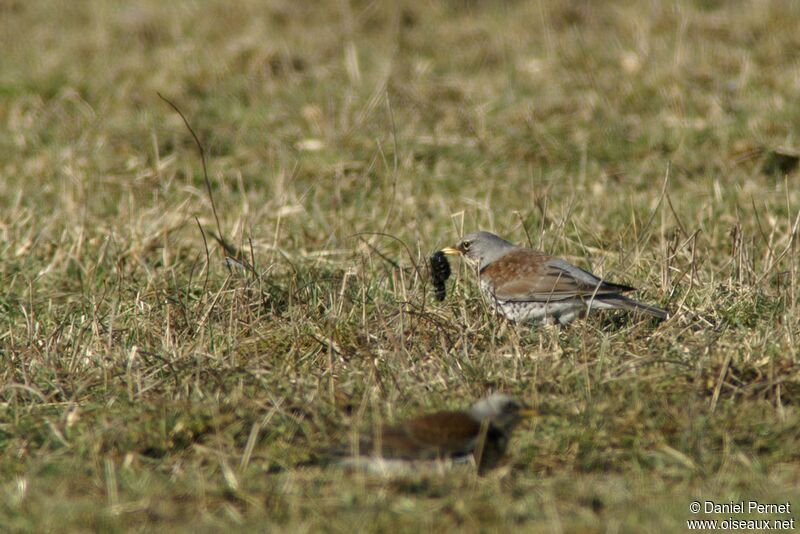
482,431
528,285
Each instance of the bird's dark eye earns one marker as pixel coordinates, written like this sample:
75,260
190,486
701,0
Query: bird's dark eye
465,245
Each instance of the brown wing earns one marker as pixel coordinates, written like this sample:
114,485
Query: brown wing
431,436
529,275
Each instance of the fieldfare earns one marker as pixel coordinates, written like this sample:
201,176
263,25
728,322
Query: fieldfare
528,285
482,431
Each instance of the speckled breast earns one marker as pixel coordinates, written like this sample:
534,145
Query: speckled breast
562,311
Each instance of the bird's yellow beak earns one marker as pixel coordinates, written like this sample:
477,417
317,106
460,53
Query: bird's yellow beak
528,412
450,251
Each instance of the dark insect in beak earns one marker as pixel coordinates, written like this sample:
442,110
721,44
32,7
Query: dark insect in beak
440,272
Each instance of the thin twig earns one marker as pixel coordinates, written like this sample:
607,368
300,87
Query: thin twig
390,236
208,256
202,159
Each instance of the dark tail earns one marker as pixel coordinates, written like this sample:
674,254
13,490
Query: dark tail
625,303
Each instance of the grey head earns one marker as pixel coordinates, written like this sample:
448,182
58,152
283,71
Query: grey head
502,410
481,248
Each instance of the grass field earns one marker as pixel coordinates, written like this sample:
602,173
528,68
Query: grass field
147,386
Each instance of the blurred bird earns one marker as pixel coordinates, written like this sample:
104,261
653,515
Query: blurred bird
528,285
482,431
